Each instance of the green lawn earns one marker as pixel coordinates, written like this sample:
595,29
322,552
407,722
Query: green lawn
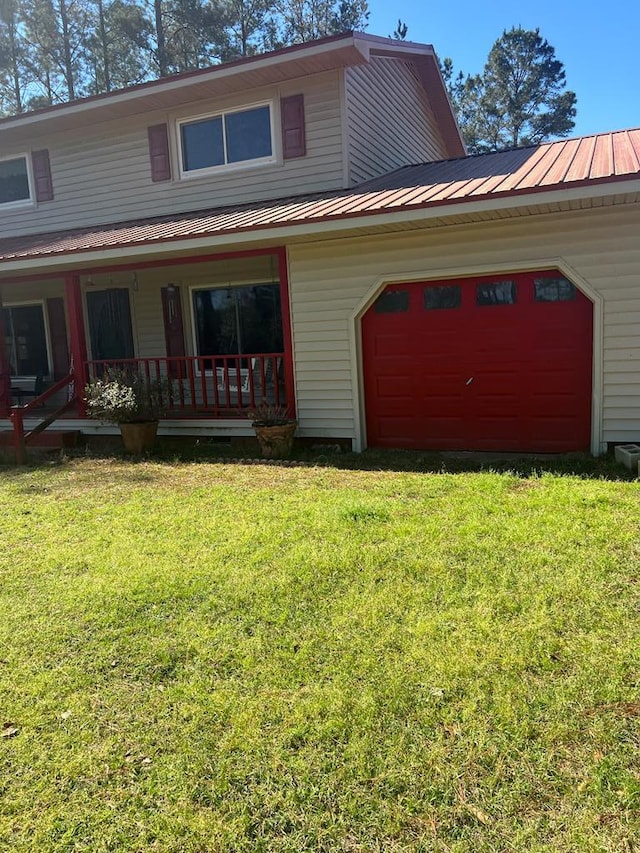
217,657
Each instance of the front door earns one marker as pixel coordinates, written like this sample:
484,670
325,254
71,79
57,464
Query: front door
110,329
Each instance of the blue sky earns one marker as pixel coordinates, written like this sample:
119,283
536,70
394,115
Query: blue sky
598,44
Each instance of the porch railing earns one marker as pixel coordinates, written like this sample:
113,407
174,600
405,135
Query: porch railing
17,415
218,385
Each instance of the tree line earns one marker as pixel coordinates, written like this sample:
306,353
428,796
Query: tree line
53,51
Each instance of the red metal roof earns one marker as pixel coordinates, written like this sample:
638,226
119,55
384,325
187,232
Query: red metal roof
590,160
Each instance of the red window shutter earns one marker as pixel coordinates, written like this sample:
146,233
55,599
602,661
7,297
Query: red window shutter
159,153
173,327
294,143
58,337
42,175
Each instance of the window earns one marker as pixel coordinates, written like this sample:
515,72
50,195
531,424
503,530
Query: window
392,302
238,320
442,296
14,180
222,140
553,290
26,340
496,293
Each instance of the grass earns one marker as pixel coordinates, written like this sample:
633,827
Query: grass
204,657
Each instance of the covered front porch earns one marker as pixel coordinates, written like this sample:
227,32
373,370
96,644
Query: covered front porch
215,329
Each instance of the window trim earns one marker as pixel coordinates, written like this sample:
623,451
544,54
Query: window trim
22,202
190,174
47,335
222,286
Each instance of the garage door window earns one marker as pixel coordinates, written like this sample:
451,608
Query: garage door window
553,290
442,296
392,302
496,293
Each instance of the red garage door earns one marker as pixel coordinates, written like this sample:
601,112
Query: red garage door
493,363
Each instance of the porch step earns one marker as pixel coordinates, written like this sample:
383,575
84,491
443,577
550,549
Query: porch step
50,438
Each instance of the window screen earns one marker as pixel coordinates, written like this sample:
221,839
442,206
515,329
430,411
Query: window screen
202,144
248,135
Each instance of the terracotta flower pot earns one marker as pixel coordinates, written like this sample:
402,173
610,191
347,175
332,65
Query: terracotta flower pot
276,442
139,437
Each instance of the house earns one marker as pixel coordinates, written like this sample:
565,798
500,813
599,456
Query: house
305,227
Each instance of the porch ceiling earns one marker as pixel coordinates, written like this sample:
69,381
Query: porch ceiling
599,165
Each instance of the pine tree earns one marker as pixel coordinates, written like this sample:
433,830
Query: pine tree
57,32
519,99
305,20
120,44
400,32
252,28
13,73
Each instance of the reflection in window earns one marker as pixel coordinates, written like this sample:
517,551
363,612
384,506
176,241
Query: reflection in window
14,180
553,290
496,293
442,296
227,138
392,302
238,320
26,340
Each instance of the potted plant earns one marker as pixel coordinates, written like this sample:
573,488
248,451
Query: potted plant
132,401
274,430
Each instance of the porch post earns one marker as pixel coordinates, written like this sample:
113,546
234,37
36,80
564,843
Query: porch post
289,383
5,378
77,338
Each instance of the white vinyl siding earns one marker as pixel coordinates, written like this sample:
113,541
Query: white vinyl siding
104,175
330,280
390,122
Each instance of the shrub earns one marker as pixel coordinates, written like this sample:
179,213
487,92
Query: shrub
124,397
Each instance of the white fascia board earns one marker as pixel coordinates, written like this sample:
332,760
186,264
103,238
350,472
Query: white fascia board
231,240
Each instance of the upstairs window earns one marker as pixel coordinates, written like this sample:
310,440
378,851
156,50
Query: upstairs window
241,136
14,180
